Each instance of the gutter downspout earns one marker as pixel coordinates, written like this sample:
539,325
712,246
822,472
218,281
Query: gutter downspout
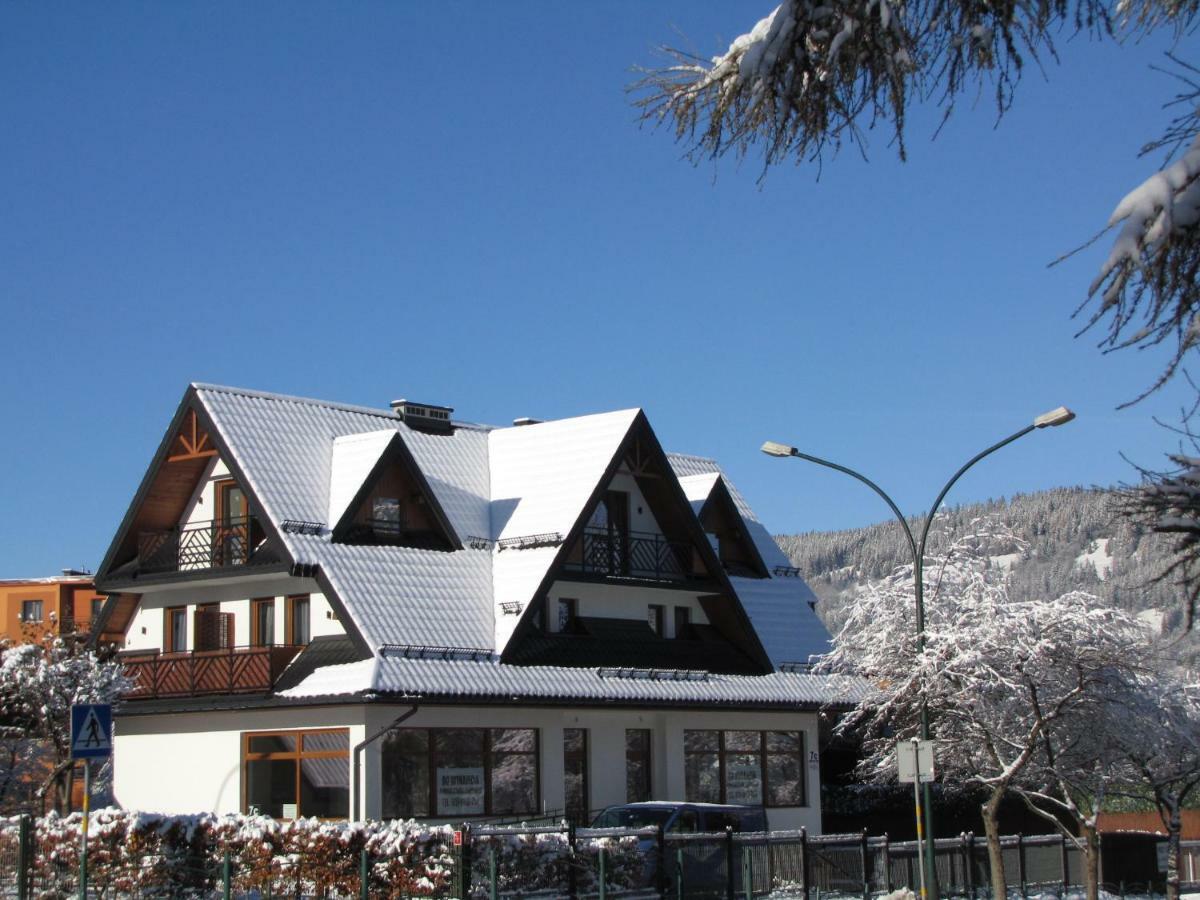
361,745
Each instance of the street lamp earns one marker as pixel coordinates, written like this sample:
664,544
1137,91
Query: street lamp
1059,416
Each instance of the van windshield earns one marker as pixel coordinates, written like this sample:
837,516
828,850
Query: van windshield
632,817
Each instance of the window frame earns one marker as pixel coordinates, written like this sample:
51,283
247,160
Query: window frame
169,631
762,753
488,765
658,612
41,611
685,613
298,754
647,758
289,619
571,605
256,637
580,756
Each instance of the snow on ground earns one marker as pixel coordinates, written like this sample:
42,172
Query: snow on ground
1099,559
1153,618
1005,561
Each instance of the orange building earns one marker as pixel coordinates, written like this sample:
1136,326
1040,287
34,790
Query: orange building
31,608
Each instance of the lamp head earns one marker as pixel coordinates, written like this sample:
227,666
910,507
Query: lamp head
1060,416
772,448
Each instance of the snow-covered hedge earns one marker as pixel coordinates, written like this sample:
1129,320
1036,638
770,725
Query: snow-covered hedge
181,856
532,863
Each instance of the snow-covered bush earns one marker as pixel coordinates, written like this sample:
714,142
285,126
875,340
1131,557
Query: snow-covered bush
137,853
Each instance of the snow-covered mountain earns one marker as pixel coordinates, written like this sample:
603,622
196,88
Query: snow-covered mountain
1076,542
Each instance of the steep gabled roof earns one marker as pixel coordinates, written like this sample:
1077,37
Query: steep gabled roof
389,594
543,477
305,460
782,609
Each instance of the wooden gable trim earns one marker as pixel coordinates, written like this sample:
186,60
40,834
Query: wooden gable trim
191,402
193,441
640,428
396,452
160,456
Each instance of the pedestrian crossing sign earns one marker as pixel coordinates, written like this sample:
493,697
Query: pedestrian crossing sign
91,731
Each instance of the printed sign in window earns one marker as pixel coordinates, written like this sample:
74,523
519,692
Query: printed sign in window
460,792
743,782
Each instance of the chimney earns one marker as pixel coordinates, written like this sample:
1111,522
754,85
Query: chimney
424,416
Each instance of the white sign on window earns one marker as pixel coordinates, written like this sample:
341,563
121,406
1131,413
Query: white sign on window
743,783
460,792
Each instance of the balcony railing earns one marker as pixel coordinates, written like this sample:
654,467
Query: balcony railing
203,545
632,554
233,670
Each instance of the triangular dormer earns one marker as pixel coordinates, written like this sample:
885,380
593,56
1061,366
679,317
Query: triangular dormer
721,521
637,531
168,529
378,495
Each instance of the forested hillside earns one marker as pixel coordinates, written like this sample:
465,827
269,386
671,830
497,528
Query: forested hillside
1075,542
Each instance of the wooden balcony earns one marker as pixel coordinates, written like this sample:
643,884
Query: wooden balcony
642,555
232,670
205,545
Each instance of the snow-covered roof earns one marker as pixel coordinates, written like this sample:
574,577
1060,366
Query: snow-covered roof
306,460
464,679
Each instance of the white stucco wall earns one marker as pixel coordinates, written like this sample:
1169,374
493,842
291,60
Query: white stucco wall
146,630
192,762
621,601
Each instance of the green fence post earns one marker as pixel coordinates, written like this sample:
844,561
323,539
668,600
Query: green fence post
494,888
804,866
602,874
730,879
364,875
748,873
467,860
227,876
679,873
24,846
862,856
83,842
572,880
660,849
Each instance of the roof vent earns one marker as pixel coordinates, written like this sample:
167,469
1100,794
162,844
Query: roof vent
424,416
525,420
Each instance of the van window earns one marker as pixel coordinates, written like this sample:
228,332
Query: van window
687,822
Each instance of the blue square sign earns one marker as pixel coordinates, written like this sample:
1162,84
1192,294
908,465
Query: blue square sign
91,731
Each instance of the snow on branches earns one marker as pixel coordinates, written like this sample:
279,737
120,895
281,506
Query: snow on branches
1147,287
1002,680
816,72
39,682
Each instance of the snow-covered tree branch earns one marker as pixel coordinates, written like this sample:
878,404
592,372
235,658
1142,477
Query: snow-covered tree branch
38,684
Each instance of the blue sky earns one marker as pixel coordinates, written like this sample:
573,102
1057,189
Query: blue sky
454,202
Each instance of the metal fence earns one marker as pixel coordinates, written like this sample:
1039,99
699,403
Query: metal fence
526,861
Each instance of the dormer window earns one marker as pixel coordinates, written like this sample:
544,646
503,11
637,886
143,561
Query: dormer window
387,515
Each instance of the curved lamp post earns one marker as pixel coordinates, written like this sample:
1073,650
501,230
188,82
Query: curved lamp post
1059,416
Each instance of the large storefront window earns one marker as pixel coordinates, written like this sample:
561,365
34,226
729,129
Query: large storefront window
459,772
751,767
289,774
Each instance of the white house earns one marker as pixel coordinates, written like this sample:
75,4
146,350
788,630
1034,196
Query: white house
338,611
